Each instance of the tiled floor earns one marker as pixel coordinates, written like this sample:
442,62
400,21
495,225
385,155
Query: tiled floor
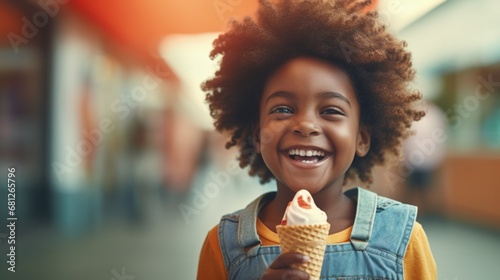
166,243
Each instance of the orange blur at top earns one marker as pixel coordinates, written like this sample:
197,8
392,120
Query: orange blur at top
141,24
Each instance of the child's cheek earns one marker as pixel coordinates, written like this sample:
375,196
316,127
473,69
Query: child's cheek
269,133
266,136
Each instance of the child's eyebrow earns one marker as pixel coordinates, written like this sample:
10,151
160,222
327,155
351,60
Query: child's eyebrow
323,95
332,94
281,93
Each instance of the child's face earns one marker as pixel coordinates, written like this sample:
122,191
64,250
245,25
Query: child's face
309,125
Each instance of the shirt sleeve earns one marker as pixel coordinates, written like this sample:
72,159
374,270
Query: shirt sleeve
418,261
211,264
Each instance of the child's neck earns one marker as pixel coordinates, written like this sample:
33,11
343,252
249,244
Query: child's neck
339,209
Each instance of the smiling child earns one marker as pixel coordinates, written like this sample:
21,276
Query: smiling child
315,93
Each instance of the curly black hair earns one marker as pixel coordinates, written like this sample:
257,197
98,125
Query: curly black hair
337,31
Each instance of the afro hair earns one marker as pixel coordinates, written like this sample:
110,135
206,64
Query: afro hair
339,32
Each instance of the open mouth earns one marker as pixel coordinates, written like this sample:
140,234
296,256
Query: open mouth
306,156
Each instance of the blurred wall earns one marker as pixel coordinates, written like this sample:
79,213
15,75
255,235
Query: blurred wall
25,60
103,104
456,51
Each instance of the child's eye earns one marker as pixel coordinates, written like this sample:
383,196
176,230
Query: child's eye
281,110
332,111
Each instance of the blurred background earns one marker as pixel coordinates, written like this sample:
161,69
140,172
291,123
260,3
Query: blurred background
119,174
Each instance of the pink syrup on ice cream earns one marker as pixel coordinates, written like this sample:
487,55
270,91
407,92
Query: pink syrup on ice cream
303,211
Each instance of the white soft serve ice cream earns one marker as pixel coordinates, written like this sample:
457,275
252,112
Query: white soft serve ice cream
303,211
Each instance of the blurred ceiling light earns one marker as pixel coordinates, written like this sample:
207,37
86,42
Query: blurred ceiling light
188,56
398,14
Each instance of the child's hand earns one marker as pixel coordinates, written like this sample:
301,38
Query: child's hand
281,268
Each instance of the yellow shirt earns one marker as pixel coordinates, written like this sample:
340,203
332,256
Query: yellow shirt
418,261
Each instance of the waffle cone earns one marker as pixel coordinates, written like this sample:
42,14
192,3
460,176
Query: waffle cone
309,240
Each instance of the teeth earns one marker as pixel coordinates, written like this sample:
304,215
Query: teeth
302,153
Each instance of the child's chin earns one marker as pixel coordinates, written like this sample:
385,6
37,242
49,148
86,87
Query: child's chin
311,186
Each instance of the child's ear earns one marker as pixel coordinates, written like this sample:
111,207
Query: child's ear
256,138
363,141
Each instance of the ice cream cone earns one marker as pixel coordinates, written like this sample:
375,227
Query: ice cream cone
309,240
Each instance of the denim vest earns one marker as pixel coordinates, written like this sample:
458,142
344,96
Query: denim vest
378,241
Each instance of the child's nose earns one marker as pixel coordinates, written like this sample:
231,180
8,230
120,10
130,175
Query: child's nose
306,127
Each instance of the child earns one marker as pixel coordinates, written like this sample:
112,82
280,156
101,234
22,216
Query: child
315,93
